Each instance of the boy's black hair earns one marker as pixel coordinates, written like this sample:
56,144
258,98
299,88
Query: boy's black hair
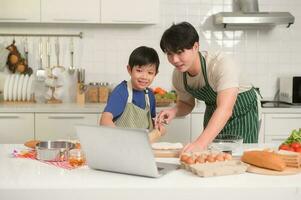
144,56
179,37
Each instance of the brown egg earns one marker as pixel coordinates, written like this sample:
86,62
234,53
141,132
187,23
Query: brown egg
190,161
210,158
200,159
184,158
220,157
228,156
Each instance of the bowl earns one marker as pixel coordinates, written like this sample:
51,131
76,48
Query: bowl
53,151
227,143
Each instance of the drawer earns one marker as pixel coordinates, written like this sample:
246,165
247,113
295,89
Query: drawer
61,126
281,124
16,127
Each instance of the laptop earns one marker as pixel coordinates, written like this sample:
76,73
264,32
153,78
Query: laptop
121,150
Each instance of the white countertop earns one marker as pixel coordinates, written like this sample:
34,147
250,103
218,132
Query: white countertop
98,108
30,179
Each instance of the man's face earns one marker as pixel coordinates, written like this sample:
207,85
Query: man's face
182,60
142,76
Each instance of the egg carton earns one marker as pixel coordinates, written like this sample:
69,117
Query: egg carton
216,168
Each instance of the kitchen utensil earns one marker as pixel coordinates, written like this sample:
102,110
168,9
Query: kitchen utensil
53,150
31,143
26,50
227,143
48,52
41,73
71,48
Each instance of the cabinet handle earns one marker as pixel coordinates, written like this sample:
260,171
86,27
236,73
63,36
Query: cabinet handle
9,117
286,117
13,19
277,139
130,21
73,20
66,117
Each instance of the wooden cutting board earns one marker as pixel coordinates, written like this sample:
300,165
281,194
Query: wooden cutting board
287,171
167,153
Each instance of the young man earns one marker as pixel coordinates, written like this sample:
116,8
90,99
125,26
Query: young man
212,78
132,104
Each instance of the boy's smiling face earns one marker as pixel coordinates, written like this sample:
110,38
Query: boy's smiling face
142,76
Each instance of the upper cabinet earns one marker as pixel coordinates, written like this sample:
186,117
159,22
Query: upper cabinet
70,11
20,11
129,11
80,11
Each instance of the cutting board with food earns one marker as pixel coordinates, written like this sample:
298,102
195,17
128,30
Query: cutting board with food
272,162
167,150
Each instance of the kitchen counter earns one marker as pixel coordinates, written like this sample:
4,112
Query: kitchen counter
30,179
98,108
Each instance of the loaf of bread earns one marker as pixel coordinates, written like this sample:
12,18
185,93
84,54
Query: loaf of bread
264,159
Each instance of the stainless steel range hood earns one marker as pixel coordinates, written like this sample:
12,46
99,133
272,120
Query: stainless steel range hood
246,12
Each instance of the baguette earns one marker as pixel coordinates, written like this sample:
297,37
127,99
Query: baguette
264,159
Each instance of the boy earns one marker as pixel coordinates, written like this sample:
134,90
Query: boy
132,104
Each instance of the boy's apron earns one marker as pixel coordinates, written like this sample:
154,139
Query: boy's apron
134,116
244,120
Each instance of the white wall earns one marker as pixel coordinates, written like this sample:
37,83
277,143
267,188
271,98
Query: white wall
263,54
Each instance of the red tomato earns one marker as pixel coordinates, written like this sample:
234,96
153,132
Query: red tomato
298,149
295,145
284,147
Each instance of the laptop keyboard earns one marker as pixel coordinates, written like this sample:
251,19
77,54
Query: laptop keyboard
160,168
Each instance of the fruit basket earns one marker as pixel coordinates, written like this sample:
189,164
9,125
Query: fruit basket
164,98
164,102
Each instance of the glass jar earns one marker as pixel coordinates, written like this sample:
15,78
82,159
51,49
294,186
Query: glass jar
103,92
93,93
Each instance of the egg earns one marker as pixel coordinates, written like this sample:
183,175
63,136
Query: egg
200,159
184,158
220,157
210,158
228,156
190,161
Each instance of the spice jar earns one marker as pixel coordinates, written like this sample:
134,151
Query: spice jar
93,93
103,92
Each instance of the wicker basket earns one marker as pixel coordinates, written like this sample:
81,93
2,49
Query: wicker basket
164,102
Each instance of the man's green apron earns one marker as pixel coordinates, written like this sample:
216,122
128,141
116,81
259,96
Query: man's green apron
244,120
134,116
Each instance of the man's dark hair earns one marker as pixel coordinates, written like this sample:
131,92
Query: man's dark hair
179,37
144,56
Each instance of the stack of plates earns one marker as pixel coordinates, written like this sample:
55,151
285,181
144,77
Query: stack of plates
18,87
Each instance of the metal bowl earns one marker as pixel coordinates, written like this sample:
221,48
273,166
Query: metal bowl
54,151
227,143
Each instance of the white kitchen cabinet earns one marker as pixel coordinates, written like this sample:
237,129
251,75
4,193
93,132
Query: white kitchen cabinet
279,126
55,126
16,127
129,11
20,11
70,11
178,130
196,125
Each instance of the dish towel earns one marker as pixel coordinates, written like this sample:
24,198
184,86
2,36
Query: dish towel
31,154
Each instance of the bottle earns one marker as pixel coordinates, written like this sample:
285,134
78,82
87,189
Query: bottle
103,92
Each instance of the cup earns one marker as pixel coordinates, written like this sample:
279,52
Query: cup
76,157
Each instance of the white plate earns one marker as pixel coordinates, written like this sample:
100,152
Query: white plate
11,87
5,91
20,85
29,87
24,88
15,88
